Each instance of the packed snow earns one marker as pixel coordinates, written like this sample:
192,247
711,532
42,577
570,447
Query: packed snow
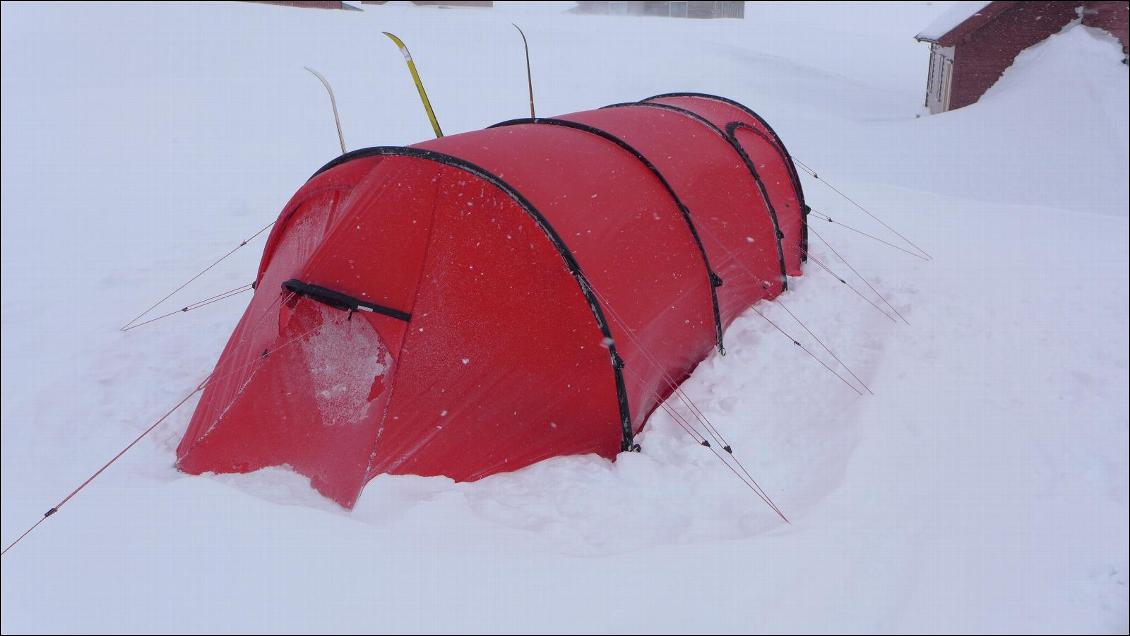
984,487
947,20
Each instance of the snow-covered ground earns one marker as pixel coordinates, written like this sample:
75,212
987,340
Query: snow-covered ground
984,486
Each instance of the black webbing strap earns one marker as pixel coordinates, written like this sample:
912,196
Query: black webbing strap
341,301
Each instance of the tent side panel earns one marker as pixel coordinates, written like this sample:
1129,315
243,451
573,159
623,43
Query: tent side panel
692,230
713,182
772,165
304,384
745,160
627,233
343,179
257,330
751,119
771,161
502,365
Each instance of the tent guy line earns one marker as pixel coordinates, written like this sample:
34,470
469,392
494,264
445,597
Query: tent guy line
812,173
821,343
833,274
861,277
186,283
204,302
210,377
778,300
828,219
57,507
739,471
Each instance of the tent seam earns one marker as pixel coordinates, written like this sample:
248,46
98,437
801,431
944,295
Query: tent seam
404,340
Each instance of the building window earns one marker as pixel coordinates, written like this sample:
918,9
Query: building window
677,9
618,8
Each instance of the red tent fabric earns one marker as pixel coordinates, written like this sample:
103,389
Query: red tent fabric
480,302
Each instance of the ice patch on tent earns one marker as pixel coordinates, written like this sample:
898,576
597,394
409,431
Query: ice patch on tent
347,363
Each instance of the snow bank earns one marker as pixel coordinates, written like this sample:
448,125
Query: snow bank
1051,132
946,21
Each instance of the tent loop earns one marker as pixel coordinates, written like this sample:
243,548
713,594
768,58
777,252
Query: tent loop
617,361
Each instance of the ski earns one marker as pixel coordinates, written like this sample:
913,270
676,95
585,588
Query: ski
529,75
416,78
333,104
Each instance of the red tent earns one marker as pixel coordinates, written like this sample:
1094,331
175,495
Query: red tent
476,303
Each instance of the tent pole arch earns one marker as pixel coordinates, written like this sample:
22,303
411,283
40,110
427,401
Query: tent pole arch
749,111
778,235
776,140
627,436
731,130
713,280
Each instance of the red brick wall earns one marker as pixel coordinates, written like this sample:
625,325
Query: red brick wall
981,57
1109,16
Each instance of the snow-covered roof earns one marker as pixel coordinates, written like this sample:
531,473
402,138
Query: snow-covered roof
949,19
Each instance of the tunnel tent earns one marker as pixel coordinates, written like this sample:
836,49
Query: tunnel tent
483,301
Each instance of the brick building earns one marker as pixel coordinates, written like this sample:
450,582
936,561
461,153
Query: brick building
973,43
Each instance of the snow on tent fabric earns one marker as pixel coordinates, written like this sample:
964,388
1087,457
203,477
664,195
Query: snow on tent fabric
483,301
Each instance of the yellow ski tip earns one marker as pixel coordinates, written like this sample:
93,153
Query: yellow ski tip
400,45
